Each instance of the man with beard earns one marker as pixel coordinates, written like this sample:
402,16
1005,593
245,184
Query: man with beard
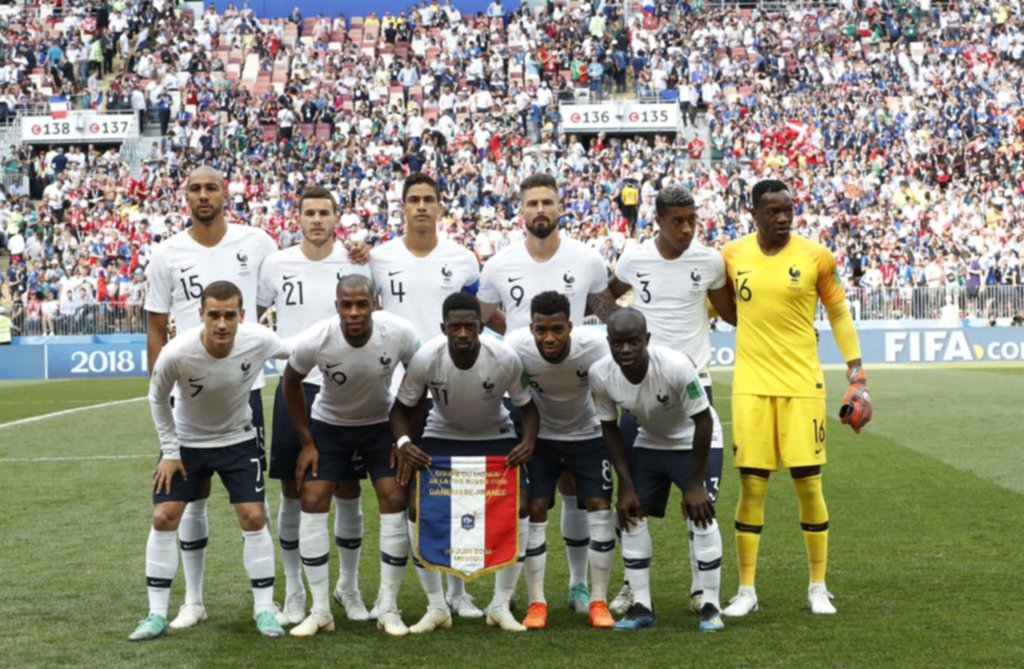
209,250
546,261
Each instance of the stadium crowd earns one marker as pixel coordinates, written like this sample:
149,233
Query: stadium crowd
899,123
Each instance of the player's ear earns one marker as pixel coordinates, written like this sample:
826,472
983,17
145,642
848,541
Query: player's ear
647,339
241,315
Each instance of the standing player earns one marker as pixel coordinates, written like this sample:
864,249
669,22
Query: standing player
778,404
546,261
357,352
208,431
672,278
556,358
414,274
467,375
300,282
209,250
678,440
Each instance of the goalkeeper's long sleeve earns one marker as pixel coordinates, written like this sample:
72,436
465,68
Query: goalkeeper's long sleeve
844,331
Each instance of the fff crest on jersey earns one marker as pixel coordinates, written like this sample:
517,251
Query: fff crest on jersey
243,263
665,400
568,279
446,276
695,277
488,390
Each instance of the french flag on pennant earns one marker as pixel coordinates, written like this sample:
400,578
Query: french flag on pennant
468,519
58,106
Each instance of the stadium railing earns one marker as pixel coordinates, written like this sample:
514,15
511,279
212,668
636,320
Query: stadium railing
882,304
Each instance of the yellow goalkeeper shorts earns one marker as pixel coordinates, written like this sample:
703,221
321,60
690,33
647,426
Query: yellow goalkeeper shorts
769,432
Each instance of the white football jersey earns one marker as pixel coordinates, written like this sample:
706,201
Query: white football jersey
662,404
561,391
415,288
467,402
512,277
356,381
213,407
302,290
181,268
672,296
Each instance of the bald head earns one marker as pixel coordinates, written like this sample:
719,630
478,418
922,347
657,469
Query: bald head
350,283
627,323
205,172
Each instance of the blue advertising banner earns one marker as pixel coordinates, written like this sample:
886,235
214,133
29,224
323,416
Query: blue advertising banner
61,359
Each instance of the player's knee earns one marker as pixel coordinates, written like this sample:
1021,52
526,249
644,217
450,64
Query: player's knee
567,485
524,508
289,489
597,504
539,509
347,490
392,500
251,517
166,517
315,500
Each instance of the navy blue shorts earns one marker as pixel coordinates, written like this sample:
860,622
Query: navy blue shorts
587,460
240,468
435,446
285,446
656,470
340,446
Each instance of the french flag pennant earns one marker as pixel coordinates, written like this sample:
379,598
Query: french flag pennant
468,515
58,106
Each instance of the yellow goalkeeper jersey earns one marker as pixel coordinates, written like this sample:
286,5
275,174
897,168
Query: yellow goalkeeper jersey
776,297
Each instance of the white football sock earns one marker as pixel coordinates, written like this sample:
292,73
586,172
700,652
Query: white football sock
394,555
193,533
637,550
536,561
602,551
430,580
707,550
576,532
288,532
694,573
161,566
505,580
456,586
258,557
315,549
348,535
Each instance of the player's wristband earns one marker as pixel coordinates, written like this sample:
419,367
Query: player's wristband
402,441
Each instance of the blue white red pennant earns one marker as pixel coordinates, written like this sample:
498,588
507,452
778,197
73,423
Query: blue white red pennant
467,520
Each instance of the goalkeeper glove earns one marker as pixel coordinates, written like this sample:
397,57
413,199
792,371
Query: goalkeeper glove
856,409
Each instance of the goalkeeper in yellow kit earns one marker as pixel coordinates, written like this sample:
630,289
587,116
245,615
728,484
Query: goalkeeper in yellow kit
779,389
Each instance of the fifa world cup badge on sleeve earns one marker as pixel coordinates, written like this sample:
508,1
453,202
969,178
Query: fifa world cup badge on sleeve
468,515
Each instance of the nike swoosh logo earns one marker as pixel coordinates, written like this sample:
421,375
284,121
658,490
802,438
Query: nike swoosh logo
196,380
260,488
817,451
185,269
641,275
191,545
333,366
748,271
287,277
395,272
513,279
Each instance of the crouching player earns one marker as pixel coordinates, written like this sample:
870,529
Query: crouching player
209,431
677,438
357,353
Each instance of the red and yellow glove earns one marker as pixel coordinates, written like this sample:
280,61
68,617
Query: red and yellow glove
856,409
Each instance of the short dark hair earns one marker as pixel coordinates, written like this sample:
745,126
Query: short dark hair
417,179
351,280
318,193
763,187
459,302
549,303
672,196
539,180
221,290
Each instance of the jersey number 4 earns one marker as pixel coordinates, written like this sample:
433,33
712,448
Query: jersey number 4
397,290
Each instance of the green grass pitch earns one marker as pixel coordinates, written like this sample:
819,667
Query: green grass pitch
926,514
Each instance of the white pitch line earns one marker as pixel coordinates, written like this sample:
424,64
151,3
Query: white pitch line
65,412
72,458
